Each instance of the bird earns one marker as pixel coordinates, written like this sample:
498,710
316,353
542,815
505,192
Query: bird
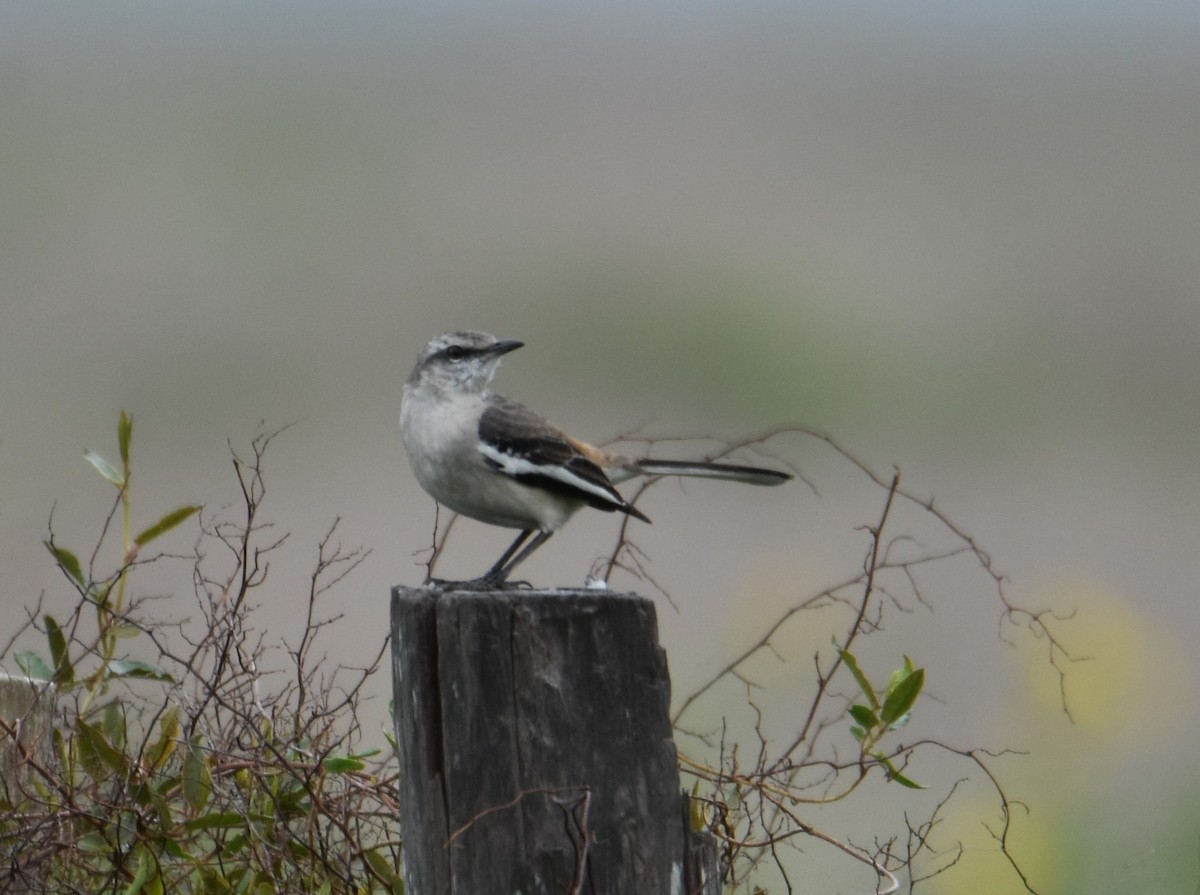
494,460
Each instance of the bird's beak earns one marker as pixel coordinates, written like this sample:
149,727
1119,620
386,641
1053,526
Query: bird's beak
504,346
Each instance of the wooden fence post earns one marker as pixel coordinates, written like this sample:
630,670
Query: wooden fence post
536,752
27,710
26,723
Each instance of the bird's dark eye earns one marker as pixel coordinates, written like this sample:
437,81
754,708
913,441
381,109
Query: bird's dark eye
456,352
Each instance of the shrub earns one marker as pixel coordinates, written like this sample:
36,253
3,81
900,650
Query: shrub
178,762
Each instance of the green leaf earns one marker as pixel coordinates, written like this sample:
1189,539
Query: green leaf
153,797
904,781
235,845
863,684
169,732
112,724
93,844
299,849
122,668
96,752
864,716
105,468
900,674
64,671
68,562
895,775
34,666
342,765
383,867
901,698
125,825
165,524
900,722
100,595
124,435
197,778
146,866
175,850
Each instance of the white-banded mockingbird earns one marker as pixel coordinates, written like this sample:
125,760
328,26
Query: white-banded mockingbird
492,459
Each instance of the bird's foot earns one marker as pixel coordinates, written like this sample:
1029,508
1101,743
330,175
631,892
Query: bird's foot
482,583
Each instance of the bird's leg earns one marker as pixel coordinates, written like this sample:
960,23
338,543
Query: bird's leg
492,576
499,573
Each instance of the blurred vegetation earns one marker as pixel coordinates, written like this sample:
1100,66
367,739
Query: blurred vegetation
178,763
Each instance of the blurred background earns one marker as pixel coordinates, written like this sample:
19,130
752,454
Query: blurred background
962,238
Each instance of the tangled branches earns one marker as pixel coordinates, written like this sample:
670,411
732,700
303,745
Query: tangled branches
197,755
756,791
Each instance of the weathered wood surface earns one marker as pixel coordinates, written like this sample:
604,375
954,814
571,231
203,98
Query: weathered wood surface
27,709
536,752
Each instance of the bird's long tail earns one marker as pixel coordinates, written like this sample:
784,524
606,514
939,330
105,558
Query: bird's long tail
751,475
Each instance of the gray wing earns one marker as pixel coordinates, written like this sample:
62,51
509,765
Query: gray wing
519,443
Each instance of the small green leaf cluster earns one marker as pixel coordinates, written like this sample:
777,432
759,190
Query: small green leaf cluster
884,711
172,767
107,595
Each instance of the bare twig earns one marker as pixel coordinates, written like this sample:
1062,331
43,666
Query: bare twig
229,748
757,787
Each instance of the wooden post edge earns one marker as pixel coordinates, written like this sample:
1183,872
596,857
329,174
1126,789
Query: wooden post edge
536,749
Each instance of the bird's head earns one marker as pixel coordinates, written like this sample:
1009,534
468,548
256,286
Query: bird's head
461,361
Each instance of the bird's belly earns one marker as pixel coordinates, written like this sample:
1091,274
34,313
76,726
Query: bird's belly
468,486
494,498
